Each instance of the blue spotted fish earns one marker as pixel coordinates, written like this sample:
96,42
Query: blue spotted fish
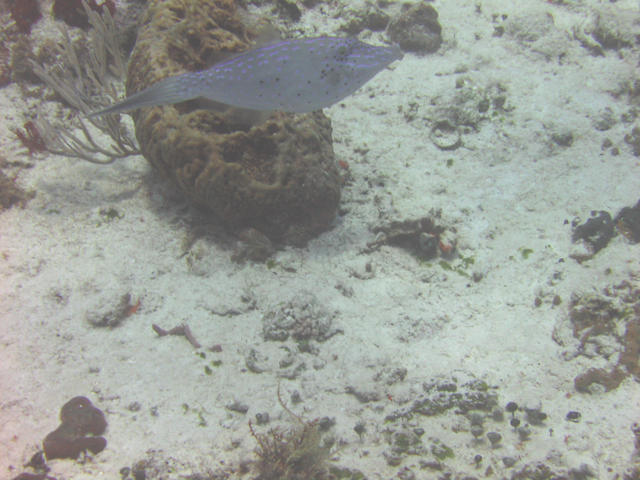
299,75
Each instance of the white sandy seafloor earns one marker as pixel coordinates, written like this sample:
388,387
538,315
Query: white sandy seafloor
510,188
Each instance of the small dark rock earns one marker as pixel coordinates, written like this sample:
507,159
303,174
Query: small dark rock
497,414
363,396
428,245
476,419
564,139
524,433
573,416
494,438
262,418
238,407
289,9
325,423
535,416
595,232
417,29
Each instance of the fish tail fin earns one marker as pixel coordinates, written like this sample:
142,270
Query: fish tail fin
170,90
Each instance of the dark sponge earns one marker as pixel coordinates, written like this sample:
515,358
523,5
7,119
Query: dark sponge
79,418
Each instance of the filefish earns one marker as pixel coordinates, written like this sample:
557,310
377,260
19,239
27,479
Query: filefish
299,75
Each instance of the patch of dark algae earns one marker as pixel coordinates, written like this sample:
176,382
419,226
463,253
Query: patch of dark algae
278,175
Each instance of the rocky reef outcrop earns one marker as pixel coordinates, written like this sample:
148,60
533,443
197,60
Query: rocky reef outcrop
277,175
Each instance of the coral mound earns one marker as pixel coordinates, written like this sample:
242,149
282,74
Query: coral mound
276,175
